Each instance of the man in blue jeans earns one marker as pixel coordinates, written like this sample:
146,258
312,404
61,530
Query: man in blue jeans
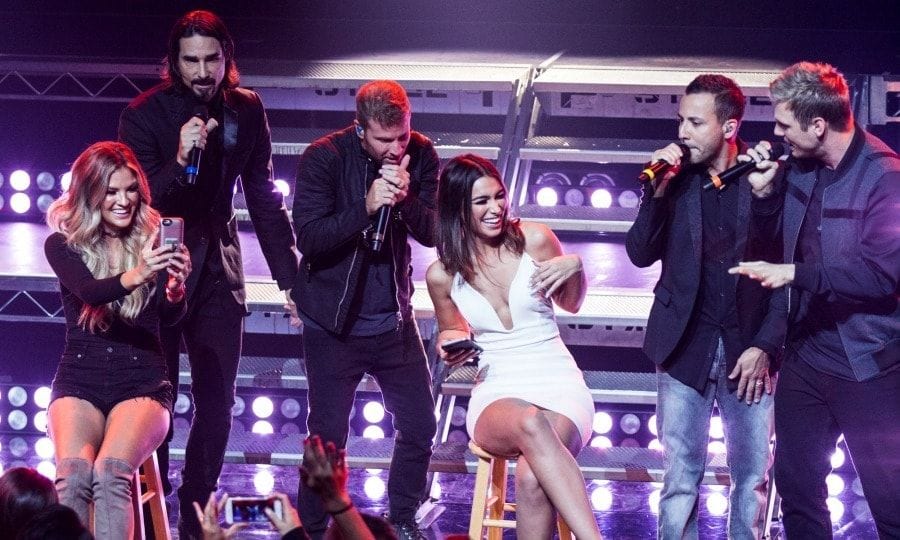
711,335
354,294
839,292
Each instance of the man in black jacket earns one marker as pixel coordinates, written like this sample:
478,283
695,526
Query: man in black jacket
163,126
710,335
354,299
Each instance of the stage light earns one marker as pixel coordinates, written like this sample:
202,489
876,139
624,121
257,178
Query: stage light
20,203
547,196
573,197
43,447
182,403
290,428
48,469
630,423
19,180
17,396
374,488
653,500
835,508
628,199
43,202
716,447
856,487
263,482
717,504
373,412
45,181
40,421
290,408
239,406
655,445
283,187
601,499
41,397
373,432
601,442
262,427
18,447
263,407
602,422
716,430
458,418
651,425
838,458
835,484
65,180
2,202
601,198
2,179
861,511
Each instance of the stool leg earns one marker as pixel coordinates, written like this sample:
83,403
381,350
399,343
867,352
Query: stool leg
498,494
565,533
156,498
137,506
479,499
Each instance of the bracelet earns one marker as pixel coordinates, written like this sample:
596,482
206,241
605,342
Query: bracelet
342,510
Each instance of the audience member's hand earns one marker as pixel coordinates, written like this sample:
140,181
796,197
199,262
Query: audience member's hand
209,520
324,470
291,519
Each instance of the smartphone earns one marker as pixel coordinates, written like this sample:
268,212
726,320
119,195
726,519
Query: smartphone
171,232
251,509
458,345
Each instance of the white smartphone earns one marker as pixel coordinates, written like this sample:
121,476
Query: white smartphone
251,509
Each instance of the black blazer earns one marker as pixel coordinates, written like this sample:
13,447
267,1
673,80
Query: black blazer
670,229
151,124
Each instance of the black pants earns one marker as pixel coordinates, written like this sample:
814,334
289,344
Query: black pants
212,332
396,359
811,410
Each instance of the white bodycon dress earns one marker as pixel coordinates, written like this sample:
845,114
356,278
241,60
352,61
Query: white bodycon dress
529,362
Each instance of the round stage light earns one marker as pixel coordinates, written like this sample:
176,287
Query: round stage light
717,504
373,412
838,458
65,180
835,484
41,397
2,202
283,187
601,499
628,199
17,396
263,407
373,432
48,469
601,441
239,406
655,445
716,431
18,447
45,181
716,447
182,403
602,422
458,418
43,447
20,203
262,427
43,202
40,421
290,408
2,179
573,197
374,488
263,482
651,425
19,180
835,508
630,423
547,196
601,198
290,428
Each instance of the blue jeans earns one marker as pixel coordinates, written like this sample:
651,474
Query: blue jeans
683,421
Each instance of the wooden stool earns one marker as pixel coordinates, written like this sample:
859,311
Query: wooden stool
147,488
489,507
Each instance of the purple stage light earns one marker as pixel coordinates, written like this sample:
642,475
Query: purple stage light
601,198
283,187
20,203
19,180
547,196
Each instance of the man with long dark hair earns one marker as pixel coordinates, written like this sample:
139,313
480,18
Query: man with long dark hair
354,299
199,105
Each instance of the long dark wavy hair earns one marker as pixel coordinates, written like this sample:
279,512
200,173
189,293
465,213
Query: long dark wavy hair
200,23
456,240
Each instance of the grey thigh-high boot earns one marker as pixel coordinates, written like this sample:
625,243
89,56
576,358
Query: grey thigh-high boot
74,481
113,513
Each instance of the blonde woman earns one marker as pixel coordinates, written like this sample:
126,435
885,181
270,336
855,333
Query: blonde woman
111,399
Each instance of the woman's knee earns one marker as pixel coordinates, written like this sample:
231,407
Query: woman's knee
533,425
113,474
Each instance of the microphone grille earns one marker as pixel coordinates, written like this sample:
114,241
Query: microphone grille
777,149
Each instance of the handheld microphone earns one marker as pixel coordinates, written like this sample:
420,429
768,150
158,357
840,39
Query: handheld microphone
193,168
381,225
719,181
662,166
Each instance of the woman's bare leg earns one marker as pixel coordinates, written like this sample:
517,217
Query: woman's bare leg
511,426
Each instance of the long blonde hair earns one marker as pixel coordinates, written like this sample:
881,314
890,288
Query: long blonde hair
77,215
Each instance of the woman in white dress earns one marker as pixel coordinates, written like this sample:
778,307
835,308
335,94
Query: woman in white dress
496,281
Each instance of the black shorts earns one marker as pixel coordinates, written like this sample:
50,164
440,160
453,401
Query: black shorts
108,374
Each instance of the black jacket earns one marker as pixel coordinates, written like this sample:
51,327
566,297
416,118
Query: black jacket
151,124
331,221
